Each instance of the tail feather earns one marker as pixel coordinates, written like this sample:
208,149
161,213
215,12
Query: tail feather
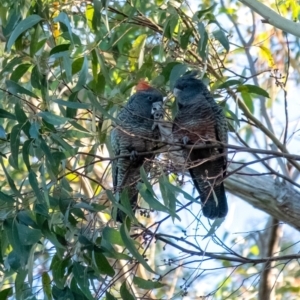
214,208
212,196
128,183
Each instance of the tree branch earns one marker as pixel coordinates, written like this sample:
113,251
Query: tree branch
266,289
266,193
271,17
226,257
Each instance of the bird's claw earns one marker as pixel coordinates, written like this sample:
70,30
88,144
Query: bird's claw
185,140
154,126
157,116
133,155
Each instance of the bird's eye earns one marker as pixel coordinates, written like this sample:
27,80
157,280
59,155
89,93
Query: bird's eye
184,86
149,98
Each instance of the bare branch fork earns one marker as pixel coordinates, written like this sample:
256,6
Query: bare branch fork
231,258
213,144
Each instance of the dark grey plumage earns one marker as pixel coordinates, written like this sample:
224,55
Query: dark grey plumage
199,121
133,134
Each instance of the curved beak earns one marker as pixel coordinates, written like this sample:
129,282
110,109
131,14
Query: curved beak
176,92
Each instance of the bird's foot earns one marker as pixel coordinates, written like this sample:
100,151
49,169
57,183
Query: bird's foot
185,140
154,126
133,155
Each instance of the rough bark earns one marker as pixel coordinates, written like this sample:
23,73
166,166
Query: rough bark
267,193
268,277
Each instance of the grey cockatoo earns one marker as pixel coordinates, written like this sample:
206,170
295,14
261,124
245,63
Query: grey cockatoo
133,134
200,120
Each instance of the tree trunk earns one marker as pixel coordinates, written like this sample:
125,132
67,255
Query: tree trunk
267,193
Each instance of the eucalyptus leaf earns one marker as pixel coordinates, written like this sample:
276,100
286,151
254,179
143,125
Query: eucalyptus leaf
248,100
113,236
109,296
152,201
82,76
58,266
15,144
131,247
46,284
80,275
75,105
176,72
28,236
6,115
5,294
229,83
203,40
146,284
63,18
222,38
254,89
6,198
58,49
125,294
102,264
21,27
14,88
34,130
10,181
19,72
34,184
145,180
52,118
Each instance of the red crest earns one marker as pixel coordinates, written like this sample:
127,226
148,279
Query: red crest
142,86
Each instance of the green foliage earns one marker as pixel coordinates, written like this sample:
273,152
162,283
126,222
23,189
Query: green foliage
129,244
